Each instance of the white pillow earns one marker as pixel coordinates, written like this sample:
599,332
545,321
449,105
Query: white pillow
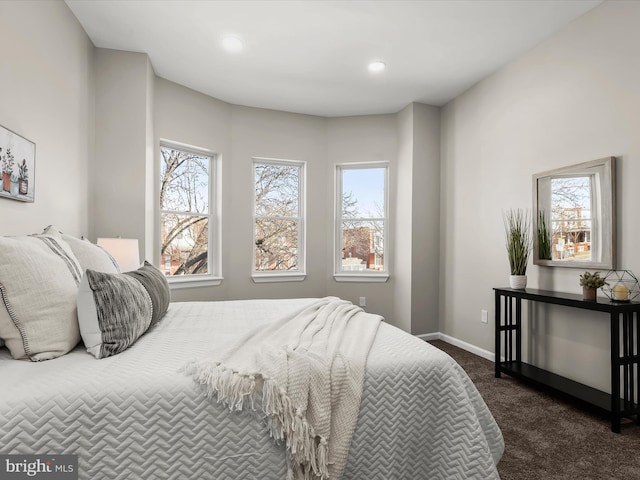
88,254
39,277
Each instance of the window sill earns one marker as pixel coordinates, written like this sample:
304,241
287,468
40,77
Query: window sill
278,277
361,277
193,281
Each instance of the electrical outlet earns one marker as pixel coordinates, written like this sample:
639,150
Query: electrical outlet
363,301
484,316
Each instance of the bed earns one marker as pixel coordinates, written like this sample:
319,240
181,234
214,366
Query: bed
138,415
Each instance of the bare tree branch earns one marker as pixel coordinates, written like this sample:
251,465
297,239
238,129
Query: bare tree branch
184,188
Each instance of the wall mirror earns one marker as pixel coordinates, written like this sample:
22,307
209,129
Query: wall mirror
574,215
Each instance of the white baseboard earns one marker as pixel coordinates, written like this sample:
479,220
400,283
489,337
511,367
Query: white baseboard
481,352
430,336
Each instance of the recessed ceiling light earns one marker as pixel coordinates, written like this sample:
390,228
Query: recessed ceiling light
232,44
377,66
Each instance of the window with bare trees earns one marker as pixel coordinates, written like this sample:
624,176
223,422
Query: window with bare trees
361,229
186,211
278,219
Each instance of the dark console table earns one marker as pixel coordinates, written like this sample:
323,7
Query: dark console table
625,355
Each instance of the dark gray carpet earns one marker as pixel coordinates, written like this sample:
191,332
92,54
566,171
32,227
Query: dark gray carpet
547,438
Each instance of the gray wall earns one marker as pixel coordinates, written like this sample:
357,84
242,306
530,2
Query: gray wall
46,80
571,99
416,219
119,187
183,115
402,210
288,136
425,220
370,138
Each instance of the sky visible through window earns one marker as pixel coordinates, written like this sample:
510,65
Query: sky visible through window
367,187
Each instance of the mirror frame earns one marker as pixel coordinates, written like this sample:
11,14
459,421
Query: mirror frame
605,213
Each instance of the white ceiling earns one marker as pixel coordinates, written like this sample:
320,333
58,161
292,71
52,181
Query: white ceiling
311,56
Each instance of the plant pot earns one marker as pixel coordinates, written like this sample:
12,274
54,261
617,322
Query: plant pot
6,182
589,293
518,282
23,187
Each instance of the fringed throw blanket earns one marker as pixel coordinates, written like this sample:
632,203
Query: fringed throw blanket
306,372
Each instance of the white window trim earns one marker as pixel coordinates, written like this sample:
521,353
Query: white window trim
271,277
365,276
380,277
214,252
261,276
193,281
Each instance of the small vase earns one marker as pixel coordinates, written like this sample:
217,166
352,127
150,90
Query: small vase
23,187
589,293
518,282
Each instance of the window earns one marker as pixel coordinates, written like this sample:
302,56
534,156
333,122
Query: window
188,220
361,222
278,234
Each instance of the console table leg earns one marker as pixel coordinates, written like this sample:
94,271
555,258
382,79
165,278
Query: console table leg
498,348
615,372
518,323
615,425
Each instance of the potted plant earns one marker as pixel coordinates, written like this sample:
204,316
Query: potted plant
544,239
7,170
23,178
518,242
590,283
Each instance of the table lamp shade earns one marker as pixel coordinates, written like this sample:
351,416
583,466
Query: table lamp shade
124,250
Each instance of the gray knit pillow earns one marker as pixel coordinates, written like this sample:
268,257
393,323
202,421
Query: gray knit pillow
114,310
156,285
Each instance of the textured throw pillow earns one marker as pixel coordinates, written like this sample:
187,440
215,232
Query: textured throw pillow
88,254
39,278
114,310
156,285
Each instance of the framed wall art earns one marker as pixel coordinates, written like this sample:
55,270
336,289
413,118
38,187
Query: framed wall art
17,166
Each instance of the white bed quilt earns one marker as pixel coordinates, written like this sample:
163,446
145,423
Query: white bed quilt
135,416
